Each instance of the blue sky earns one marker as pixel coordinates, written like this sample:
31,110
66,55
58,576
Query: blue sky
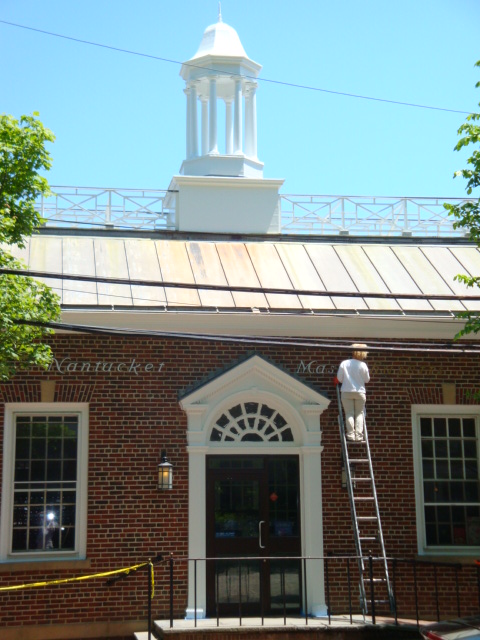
119,119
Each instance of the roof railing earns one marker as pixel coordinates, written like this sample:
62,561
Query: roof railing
152,210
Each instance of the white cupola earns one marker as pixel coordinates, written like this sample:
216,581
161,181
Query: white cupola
221,76
221,186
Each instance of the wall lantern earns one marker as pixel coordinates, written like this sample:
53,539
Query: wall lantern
165,473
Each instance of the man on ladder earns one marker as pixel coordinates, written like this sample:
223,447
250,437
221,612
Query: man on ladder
354,375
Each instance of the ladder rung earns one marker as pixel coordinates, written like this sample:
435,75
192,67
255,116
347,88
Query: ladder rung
368,538
370,518
361,479
382,601
361,498
355,460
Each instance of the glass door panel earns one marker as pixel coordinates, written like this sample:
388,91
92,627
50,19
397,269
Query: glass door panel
236,508
253,510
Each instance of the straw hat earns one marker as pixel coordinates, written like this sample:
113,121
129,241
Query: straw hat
358,346
359,350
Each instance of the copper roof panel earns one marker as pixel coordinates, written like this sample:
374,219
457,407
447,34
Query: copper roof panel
303,275
365,275
334,275
110,258
448,267
78,259
207,269
143,264
396,277
47,256
239,271
272,275
427,277
175,267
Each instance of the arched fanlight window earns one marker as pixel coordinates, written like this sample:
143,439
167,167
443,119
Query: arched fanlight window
251,422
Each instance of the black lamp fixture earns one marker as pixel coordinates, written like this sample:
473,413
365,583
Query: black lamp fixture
165,472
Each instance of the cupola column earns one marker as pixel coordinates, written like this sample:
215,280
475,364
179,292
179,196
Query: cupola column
251,120
204,102
238,133
213,146
228,126
194,120
186,91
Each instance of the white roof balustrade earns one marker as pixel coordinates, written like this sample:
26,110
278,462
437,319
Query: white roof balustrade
151,210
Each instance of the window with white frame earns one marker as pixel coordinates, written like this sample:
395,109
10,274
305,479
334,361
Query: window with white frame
44,481
447,478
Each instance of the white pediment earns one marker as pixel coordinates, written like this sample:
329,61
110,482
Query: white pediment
254,381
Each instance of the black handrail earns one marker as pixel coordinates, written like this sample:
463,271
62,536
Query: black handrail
335,562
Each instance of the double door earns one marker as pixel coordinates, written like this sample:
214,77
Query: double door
253,511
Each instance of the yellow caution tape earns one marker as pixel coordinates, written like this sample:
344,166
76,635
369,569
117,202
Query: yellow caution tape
32,585
152,578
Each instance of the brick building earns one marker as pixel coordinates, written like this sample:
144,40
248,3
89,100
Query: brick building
210,335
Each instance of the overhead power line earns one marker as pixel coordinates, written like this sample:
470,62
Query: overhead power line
336,345
269,80
236,289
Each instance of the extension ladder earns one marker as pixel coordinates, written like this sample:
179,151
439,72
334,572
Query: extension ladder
366,519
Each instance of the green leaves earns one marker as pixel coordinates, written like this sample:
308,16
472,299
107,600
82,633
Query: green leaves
468,215
23,300
22,156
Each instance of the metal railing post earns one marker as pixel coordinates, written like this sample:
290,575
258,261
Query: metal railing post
149,600
305,589
457,590
349,582
195,591
416,592
240,592
478,583
372,587
436,592
171,588
394,582
327,586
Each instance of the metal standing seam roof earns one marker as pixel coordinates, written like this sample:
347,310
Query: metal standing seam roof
414,268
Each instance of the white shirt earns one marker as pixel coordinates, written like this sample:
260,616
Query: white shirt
353,374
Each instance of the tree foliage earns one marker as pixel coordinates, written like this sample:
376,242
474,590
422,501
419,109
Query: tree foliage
25,304
468,214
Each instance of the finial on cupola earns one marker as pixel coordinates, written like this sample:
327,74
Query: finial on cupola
220,12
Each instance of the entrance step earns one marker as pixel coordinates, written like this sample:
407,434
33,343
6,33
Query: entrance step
293,628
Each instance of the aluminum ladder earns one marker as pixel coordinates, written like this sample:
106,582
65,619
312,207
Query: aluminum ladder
366,522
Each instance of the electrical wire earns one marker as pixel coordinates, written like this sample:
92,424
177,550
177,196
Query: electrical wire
459,349
237,289
229,73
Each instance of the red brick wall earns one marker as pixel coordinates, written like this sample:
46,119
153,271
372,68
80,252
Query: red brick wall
132,417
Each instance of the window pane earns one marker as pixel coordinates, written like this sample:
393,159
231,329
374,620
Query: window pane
45,460
426,427
451,480
456,469
455,448
454,428
470,449
427,448
441,450
442,492
469,428
439,427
